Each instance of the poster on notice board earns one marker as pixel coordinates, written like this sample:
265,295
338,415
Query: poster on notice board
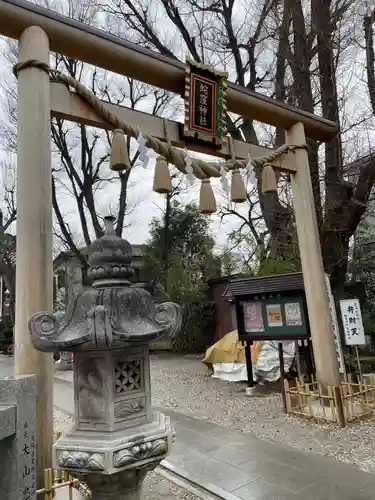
274,317
253,317
293,315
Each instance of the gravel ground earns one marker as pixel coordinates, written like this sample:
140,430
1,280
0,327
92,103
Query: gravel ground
157,487
62,421
178,383
68,375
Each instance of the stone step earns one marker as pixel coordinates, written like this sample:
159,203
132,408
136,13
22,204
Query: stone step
179,476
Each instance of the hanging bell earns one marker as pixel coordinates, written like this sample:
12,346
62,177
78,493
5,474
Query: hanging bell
269,183
207,202
238,190
162,178
119,153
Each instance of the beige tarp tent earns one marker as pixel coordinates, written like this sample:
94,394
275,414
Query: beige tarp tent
229,350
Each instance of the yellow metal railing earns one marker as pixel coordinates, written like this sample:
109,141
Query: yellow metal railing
54,480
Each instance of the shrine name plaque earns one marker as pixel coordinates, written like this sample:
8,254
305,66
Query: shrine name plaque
205,103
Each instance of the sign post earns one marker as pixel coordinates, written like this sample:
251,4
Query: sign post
335,329
352,322
354,332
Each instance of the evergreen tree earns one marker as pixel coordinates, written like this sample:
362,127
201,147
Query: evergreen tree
180,259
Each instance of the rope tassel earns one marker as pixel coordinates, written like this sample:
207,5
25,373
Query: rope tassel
269,184
162,178
207,202
175,156
237,191
119,153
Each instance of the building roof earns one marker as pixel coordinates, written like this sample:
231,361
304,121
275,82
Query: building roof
264,284
221,279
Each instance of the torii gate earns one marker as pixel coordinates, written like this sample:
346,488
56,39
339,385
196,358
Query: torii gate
39,31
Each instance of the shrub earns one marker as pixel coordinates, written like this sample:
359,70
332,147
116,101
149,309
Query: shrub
197,327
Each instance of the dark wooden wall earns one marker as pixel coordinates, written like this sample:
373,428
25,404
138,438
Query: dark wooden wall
223,315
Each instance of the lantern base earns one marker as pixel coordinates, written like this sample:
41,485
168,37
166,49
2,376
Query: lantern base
90,452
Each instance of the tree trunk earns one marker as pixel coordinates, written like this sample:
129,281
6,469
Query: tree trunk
335,232
302,92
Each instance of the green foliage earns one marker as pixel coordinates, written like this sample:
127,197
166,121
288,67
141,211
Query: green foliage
257,258
181,260
6,327
362,268
181,269
196,331
188,242
229,264
8,265
6,333
278,266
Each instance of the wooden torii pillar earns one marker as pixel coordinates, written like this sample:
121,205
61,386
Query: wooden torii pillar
34,277
325,356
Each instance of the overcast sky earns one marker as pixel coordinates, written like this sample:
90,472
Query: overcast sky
358,139
148,204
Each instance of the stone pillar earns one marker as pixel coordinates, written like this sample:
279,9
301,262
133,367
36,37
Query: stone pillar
117,437
126,485
17,438
34,278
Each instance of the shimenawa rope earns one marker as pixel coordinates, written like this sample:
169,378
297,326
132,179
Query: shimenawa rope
201,168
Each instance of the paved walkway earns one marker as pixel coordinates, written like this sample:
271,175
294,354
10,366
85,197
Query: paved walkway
238,466
233,466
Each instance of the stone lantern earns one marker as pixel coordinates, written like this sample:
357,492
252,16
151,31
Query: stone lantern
117,437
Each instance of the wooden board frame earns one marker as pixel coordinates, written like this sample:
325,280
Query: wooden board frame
273,333
219,104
